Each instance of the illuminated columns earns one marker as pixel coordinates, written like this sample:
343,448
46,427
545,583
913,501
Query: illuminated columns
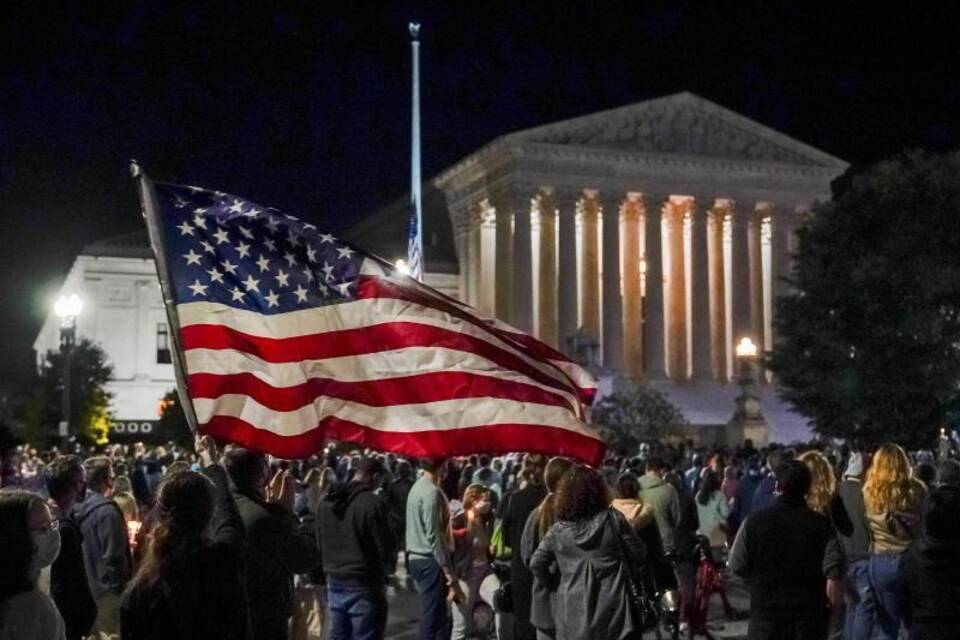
590,296
740,276
676,294
521,309
632,292
653,329
755,254
548,269
718,297
504,257
700,291
567,294
612,302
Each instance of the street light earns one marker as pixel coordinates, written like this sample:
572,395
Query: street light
401,266
67,309
747,420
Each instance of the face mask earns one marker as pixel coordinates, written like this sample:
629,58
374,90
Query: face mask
48,548
483,508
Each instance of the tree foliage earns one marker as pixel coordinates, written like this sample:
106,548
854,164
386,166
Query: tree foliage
173,420
869,338
633,415
89,399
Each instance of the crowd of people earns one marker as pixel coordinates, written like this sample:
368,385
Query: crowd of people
168,542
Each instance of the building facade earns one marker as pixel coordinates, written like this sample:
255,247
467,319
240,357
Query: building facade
122,312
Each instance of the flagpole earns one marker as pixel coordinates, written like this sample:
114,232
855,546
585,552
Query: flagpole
415,257
148,208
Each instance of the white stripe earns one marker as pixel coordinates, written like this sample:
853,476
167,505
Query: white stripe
445,415
374,366
355,314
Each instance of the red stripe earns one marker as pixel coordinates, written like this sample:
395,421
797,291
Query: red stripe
495,439
355,342
375,287
425,387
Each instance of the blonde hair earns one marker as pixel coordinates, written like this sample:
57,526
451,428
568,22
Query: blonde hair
473,494
128,506
888,486
823,482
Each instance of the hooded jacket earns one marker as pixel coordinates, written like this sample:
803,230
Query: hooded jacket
106,547
356,539
665,502
928,589
582,563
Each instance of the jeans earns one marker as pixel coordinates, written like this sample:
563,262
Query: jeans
478,585
356,612
877,616
434,613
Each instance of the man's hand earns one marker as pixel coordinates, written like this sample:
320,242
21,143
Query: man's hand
454,592
280,490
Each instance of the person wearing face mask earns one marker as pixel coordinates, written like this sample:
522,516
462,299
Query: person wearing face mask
358,548
67,483
29,542
472,560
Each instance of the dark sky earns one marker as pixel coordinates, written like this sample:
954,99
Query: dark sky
306,109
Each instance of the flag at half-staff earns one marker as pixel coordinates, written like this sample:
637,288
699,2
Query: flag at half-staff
287,337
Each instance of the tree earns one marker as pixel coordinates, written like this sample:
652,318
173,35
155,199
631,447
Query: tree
633,415
868,339
173,420
89,399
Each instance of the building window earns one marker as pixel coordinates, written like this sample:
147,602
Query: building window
163,344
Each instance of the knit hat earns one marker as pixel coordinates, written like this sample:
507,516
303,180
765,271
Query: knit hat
854,466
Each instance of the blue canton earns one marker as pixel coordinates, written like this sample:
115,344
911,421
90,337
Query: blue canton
223,248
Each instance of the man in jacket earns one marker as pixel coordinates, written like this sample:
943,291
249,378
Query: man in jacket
856,546
928,593
764,496
66,481
278,547
784,554
663,499
106,546
358,551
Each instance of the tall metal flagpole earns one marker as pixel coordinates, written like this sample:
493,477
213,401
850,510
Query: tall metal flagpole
415,242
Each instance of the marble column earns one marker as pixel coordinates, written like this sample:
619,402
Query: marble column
653,329
740,280
718,297
521,308
782,228
548,269
612,301
632,296
567,294
462,239
755,253
590,296
700,290
504,252
676,296
486,264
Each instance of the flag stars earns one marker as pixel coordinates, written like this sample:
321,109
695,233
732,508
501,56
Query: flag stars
308,274
243,250
207,247
272,299
270,244
263,263
236,294
327,271
192,257
323,289
282,278
222,236
326,237
215,275
236,207
198,289
345,252
293,238
301,293
344,288
311,254
290,258
273,224
246,233
199,221
251,284
185,228
229,267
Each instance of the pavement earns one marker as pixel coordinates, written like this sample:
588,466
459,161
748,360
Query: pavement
405,610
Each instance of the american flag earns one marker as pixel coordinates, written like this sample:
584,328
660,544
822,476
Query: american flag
288,337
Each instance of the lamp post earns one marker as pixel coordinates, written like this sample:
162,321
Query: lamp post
747,420
67,309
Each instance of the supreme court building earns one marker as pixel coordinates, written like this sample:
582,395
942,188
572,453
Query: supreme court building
657,232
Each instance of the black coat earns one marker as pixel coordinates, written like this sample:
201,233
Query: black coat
928,589
515,513
68,583
278,547
204,597
356,540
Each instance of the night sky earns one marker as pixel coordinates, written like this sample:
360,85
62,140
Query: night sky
308,109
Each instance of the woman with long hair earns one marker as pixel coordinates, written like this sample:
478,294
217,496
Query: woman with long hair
190,583
473,562
589,558
713,509
893,499
538,523
29,542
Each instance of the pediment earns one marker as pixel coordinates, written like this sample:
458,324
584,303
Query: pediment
682,124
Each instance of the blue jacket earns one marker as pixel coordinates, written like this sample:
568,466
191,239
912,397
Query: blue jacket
106,547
